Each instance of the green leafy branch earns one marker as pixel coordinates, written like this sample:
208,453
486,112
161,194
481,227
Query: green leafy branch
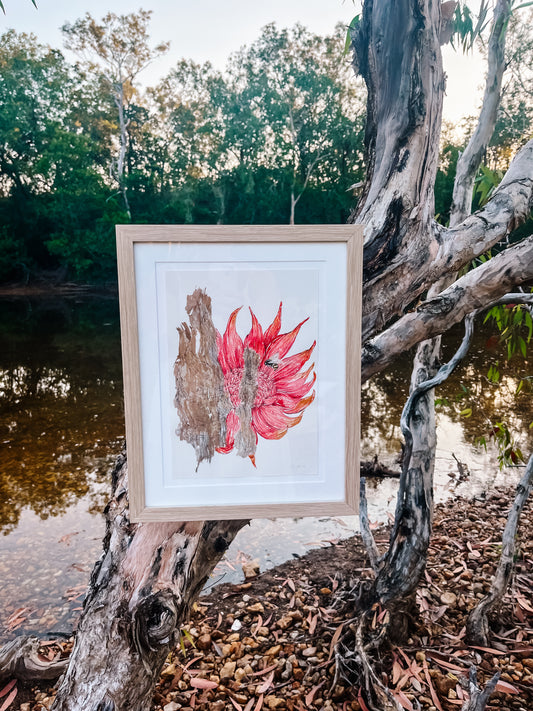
466,27
486,183
515,325
348,41
509,453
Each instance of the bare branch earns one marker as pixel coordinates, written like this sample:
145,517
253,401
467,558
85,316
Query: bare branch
509,207
405,560
20,658
477,628
480,288
478,698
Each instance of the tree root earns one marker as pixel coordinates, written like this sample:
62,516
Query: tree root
478,698
20,658
354,665
373,685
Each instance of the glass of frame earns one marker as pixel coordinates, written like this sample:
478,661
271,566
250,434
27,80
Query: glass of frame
241,357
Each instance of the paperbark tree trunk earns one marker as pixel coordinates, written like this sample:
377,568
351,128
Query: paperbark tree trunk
397,51
118,97
140,592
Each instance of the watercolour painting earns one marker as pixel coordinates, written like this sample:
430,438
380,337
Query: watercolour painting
240,399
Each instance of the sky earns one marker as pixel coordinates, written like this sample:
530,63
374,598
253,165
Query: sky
209,30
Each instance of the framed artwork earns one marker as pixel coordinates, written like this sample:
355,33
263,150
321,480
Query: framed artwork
241,357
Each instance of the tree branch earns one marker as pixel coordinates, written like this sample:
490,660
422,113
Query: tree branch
509,207
446,251
20,658
478,698
477,627
405,560
480,288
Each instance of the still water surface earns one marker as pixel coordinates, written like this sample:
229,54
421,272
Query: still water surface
61,425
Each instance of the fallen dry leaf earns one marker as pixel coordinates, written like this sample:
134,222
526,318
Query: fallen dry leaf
506,688
265,686
431,687
311,695
335,639
7,703
7,688
202,683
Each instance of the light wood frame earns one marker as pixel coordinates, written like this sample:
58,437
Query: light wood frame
128,237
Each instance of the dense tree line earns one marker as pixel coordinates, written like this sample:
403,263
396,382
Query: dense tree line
276,138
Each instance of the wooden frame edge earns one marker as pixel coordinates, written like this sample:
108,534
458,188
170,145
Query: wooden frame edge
131,371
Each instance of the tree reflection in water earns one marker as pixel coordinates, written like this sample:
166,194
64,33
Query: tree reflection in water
61,415
469,406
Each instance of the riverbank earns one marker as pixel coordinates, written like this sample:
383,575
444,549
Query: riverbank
267,643
45,288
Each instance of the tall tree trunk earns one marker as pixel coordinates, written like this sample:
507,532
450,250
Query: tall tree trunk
470,160
123,145
149,574
397,51
140,592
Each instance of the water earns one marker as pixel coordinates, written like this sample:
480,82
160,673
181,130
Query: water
61,425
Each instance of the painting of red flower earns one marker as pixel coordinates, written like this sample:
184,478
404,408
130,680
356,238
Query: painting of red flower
268,388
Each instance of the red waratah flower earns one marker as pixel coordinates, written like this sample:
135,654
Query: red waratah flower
282,387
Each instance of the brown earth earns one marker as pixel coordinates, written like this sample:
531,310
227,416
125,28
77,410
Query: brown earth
269,643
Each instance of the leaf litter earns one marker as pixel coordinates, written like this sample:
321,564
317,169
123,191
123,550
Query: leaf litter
282,655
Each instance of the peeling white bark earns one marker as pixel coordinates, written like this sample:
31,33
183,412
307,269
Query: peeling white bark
439,252
140,593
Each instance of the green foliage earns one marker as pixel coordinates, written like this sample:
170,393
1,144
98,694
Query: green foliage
89,253
11,255
479,405
486,182
515,326
285,122
354,23
466,27
445,177
509,453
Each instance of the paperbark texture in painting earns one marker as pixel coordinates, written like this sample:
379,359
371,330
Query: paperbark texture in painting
229,391
201,399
